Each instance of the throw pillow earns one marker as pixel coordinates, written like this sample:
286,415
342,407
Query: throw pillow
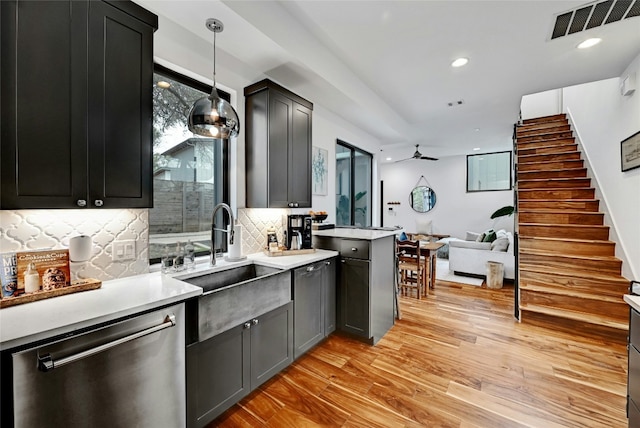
423,226
489,237
471,236
480,238
500,244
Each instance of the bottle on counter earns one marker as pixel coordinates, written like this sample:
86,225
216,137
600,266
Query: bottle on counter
178,259
272,240
189,256
31,279
166,260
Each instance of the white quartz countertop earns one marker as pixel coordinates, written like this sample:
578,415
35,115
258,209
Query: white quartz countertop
633,301
354,233
43,319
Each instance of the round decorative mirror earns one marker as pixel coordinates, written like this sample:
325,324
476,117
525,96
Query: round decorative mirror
422,199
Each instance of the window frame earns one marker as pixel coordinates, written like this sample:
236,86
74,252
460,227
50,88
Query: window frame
352,149
510,186
226,157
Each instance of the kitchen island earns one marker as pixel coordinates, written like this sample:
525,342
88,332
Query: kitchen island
366,285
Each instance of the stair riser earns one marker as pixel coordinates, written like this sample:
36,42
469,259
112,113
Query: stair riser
578,163
544,119
550,205
585,285
560,173
587,330
537,144
570,248
525,132
554,184
561,218
582,232
611,266
615,311
554,157
565,148
556,194
544,137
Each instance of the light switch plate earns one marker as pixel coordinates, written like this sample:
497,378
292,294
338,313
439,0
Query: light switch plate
122,250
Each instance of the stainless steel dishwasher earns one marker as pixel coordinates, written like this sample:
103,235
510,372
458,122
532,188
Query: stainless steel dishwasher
127,374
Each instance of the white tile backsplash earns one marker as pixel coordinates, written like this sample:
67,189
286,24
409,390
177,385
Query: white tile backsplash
255,222
22,230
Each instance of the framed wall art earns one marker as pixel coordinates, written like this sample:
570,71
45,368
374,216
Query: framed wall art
630,152
320,169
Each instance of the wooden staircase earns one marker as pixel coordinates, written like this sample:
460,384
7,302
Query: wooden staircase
569,277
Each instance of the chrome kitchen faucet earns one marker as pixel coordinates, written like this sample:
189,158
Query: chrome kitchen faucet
213,229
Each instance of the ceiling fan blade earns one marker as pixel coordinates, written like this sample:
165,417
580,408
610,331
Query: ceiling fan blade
428,158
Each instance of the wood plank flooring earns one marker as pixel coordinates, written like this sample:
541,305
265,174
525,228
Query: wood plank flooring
456,359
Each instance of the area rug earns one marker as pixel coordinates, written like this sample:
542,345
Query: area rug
444,274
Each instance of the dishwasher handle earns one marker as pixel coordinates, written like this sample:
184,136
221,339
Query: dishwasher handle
47,363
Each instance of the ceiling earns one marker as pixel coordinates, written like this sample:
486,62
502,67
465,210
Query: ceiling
385,66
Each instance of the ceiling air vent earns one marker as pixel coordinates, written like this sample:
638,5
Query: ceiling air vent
594,15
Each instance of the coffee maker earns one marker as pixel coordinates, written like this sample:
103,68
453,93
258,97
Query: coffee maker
298,230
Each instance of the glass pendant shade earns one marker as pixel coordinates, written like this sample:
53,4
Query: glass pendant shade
213,117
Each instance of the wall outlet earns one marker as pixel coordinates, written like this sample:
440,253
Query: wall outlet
123,250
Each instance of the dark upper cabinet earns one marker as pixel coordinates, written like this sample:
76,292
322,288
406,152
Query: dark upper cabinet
76,81
278,147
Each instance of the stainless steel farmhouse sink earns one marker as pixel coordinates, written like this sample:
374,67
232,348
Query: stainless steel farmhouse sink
234,276
234,296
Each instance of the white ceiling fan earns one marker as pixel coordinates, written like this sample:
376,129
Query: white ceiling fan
418,155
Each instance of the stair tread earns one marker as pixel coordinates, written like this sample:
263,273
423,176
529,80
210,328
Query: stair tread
562,200
555,179
577,241
559,211
522,145
558,291
602,226
537,171
548,154
567,256
556,189
572,273
575,315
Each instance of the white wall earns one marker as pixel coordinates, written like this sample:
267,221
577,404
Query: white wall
603,118
456,211
541,104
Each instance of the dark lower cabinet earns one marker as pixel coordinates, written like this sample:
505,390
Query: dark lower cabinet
314,297
354,297
227,367
76,79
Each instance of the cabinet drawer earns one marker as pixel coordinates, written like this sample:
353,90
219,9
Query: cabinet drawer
355,249
634,374
634,328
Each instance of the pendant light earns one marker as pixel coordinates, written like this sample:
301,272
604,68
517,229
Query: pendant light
212,116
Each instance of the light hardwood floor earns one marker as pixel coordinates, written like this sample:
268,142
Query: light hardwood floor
456,359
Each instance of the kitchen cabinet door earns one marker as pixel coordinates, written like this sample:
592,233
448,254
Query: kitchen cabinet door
76,80
271,344
354,297
278,147
329,299
308,301
217,374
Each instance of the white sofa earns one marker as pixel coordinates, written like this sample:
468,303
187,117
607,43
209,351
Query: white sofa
471,257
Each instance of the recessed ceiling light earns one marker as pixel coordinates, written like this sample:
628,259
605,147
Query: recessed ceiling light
475,149
589,43
389,159
459,62
163,84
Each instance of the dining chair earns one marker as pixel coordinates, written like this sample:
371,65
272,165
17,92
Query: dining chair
411,268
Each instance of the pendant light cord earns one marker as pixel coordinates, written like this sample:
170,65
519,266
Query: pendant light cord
214,60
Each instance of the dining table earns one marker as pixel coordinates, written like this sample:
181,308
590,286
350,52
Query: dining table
428,250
